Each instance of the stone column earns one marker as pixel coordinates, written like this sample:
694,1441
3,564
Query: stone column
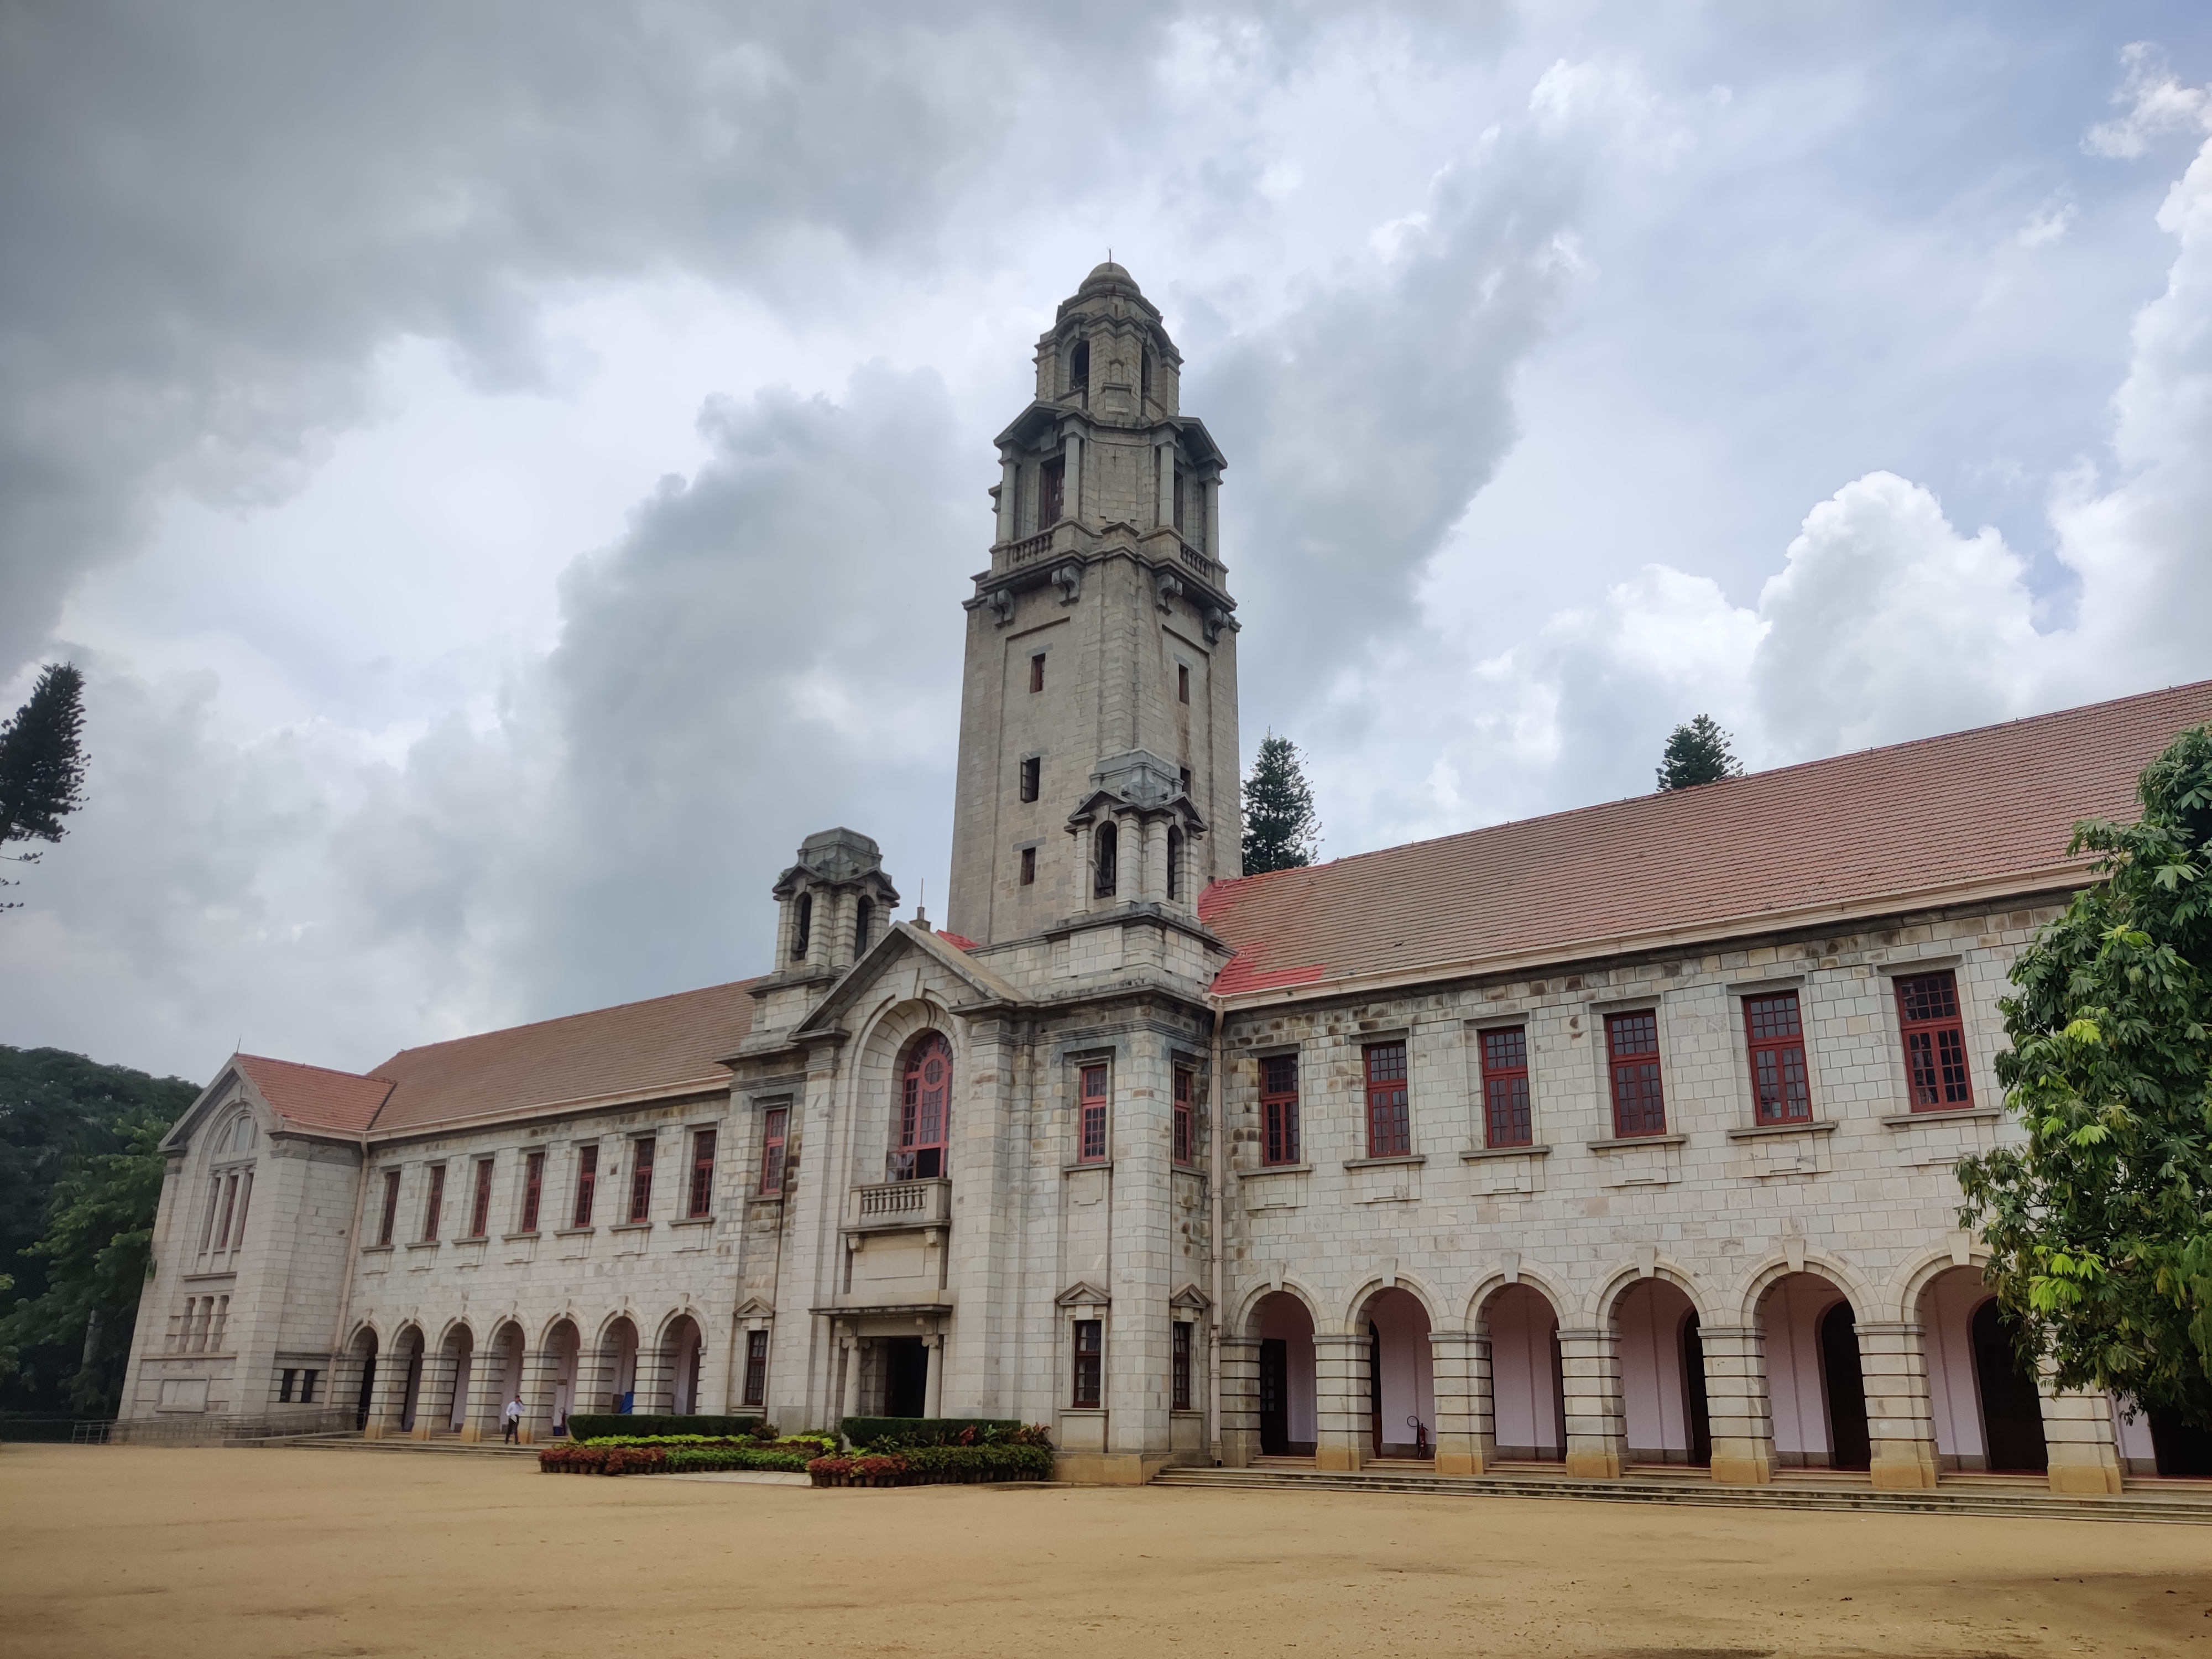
1597,1432
1213,518
1467,1441
1894,1362
1071,482
433,1401
389,1395
1009,496
487,1395
1239,1401
1163,465
2077,1431
1735,1405
851,1406
1343,1415
656,1373
933,1388
1155,834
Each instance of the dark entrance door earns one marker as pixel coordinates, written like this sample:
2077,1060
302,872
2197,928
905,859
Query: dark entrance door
2181,1450
1374,1390
1693,1392
906,1376
1848,1445
1275,1397
2012,1415
367,1392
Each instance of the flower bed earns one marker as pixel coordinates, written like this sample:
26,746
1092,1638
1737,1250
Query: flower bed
603,1459
929,1466
681,1454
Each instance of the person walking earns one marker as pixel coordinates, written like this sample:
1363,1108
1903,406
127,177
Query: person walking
511,1421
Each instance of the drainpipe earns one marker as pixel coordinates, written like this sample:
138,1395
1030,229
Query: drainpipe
1215,1175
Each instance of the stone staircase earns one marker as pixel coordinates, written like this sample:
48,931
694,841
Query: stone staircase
1993,1494
444,1445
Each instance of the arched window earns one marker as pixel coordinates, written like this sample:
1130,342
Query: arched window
1174,863
1106,857
864,918
925,1109
802,935
1079,369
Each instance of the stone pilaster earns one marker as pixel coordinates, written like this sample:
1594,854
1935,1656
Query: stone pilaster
541,1376
487,1396
1597,1432
1467,1441
1736,1405
2077,1431
388,1396
1239,1401
1344,1418
1894,1363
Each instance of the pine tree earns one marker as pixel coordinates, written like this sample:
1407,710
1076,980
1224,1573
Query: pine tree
1280,830
41,762
1698,753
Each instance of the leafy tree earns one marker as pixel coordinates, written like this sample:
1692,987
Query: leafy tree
1698,753
41,761
1280,830
80,1182
2100,1227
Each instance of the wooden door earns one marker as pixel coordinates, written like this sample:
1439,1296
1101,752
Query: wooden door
1275,1397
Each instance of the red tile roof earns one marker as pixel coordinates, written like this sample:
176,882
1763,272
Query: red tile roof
313,1095
1991,807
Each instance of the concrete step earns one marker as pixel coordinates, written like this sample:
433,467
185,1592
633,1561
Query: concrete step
1832,1493
444,1445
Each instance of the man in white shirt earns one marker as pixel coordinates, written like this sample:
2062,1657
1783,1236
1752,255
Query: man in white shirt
511,1418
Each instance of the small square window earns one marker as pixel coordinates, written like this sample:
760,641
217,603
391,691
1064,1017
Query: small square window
1028,866
1037,672
1032,777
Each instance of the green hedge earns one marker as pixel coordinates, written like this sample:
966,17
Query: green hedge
685,1459
903,1431
597,1425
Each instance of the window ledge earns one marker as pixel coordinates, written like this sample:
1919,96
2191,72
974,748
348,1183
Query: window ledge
1954,1115
1094,1163
1274,1169
1803,1126
752,1199
1379,1163
515,1238
573,1232
630,1227
693,1221
425,1244
474,1238
1475,1154
224,1273
1629,1143
376,1249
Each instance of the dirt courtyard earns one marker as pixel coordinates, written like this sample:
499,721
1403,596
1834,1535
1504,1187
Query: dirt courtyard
122,1550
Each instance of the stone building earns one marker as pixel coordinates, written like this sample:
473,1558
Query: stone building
1621,1136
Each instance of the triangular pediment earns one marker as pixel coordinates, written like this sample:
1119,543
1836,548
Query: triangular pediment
1190,1299
1083,1294
230,1084
754,1307
901,944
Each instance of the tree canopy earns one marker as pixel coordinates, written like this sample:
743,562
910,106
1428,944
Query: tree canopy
1698,753
2100,1227
1281,831
42,762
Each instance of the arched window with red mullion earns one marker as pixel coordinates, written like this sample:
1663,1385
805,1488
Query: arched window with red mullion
924,1117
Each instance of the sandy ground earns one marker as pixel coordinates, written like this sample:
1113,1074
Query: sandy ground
120,1550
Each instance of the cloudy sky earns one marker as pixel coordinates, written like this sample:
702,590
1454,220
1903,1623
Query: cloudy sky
509,470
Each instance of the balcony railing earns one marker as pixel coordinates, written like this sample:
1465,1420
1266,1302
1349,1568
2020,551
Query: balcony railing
900,1204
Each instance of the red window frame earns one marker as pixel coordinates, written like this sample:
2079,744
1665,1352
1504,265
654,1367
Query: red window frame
1278,1109
776,1128
1389,1124
534,1189
925,1109
1639,1095
480,1206
1774,1032
1179,1375
1937,1076
1185,1087
434,1206
702,1198
587,1184
756,1368
1028,866
1506,1118
641,1178
1094,1098
1090,1366
391,1219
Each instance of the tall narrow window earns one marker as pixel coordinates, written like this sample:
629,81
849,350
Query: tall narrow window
1144,373
775,1124
1174,863
641,1179
1186,1086
238,1221
229,1202
480,1204
1505,1118
802,931
1180,1379
700,1199
925,1109
1091,1132
284,1388
533,1185
1079,367
1389,1130
587,1180
1089,1354
1934,1042
1777,1035
1051,502
434,1204
756,1392
1278,1109
864,923
1178,498
1037,672
1028,866
213,1208
390,1216
1185,780
1639,1105
1032,776
1182,682
307,1381
1106,842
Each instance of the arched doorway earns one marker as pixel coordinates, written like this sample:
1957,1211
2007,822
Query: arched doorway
686,1349
1528,1423
1815,1388
504,1353
364,1357
1662,1375
1401,1393
1986,1411
565,1343
1287,1414
408,1354
618,1366
925,1114
456,1365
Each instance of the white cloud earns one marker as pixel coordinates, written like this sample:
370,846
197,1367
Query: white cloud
2158,104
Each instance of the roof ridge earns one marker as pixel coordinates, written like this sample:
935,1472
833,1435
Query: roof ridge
309,1066
581,1013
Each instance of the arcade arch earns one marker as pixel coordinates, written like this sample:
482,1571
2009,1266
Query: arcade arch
1662,1375
1288,1405
1528,1390
1987,1412
1816,1390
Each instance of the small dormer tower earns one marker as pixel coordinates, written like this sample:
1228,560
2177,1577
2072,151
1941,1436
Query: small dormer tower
832,904
1098,756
